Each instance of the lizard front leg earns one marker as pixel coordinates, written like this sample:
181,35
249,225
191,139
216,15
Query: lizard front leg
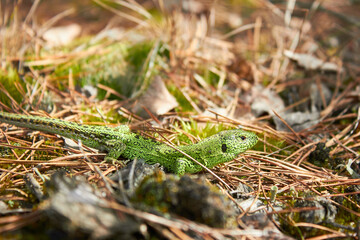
115,148
184,165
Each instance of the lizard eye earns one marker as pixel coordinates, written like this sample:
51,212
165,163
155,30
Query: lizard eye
223,148
243,138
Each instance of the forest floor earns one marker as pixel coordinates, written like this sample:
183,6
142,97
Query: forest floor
181,71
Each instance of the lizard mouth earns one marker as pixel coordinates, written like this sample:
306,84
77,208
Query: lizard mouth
251,139
254,139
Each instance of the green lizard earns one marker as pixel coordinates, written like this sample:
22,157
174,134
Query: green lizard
120,141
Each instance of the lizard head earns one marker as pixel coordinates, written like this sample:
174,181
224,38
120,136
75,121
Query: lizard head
227,145
219,148
237,141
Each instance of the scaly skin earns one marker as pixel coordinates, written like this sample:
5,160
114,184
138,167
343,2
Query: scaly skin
120,141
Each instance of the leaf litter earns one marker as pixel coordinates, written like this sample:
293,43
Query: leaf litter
280,74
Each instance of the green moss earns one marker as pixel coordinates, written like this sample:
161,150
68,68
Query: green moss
201,131
211,77
273,144
342,217
120,66
4,151
18,151
11,83
142,61
137,54
155,194
187,197
247,6
320,156
105,68
111,116
266,80
184,104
